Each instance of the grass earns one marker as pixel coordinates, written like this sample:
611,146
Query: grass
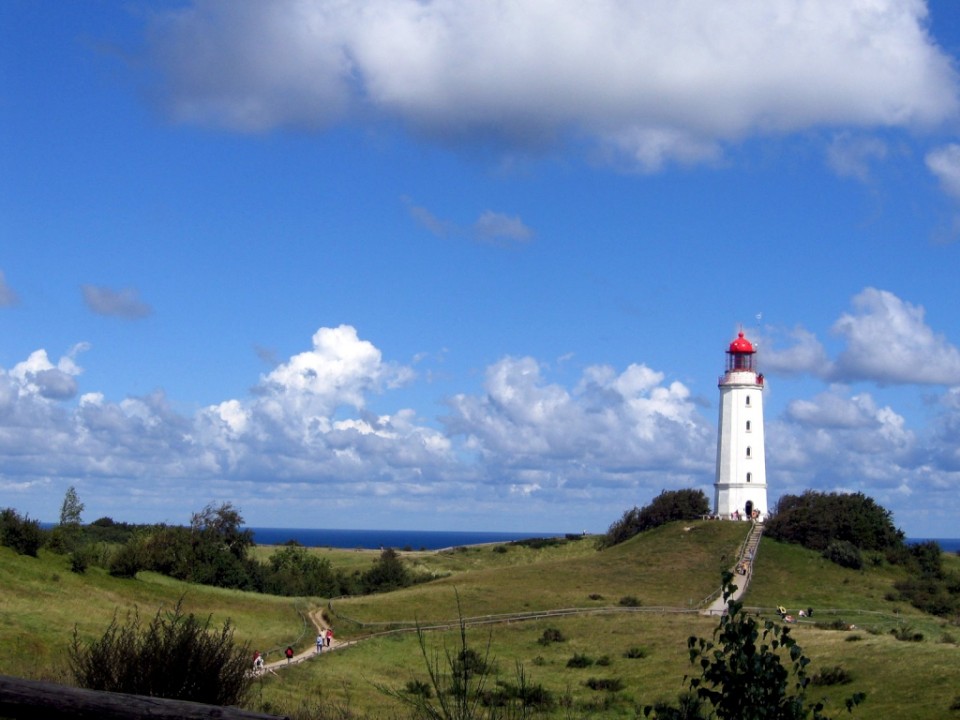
675,566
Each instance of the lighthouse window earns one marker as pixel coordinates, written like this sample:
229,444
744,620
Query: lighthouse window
748,426
748,452
749,477
748,399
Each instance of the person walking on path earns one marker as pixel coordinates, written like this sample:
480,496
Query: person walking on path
289,653
320,642
329,636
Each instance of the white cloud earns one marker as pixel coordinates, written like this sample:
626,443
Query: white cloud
612,429
124,303
887,341
806,355
654,81
944,162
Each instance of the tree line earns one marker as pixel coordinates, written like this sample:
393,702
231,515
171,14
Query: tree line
214,549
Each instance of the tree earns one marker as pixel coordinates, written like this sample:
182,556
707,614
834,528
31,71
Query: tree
72,508
387,573
66,536
817,519
751,672
20,532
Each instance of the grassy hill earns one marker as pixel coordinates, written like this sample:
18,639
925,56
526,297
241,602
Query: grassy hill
666,571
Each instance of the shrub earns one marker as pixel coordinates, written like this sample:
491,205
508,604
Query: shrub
175,656
906,634
608,684
629,601
126,563
635,653
844,553
603,660
579,660
551,635
419,687
595,596
835,675
80,560
501,549
20,533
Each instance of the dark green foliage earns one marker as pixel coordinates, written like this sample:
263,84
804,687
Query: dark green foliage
844,553
501,549
419,687
927,558
127,562
20,533
580,660
387,573
551,635
635,653
688,707
816,519
540,543
906,633
603,661
630,601
175,656
608,684
835,675
668,506
295,572
752,672
80,559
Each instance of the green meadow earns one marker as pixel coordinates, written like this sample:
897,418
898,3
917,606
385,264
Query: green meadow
626,612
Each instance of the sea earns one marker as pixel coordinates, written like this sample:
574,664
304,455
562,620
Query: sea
397,539
433,539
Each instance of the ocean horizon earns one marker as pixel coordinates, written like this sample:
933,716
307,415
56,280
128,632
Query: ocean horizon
397,539
434,539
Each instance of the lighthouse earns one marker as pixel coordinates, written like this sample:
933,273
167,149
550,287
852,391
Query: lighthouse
741,485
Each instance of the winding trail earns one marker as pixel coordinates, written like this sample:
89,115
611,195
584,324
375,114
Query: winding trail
717,606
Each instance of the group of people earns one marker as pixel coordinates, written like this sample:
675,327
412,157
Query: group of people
786,617
324,638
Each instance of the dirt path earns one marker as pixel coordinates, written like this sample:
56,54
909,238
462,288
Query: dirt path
320,626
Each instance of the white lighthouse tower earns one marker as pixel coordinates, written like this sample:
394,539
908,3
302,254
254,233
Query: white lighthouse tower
741,485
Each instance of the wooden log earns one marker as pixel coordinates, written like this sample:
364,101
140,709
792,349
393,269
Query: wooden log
30,699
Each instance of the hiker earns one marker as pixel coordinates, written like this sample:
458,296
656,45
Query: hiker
257,662
320,642
329,636
289,653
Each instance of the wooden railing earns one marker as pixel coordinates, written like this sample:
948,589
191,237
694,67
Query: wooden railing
29,699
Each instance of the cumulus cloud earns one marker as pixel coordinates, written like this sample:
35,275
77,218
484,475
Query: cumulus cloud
7,295
124,303
611,429
806,355
653,82
887,341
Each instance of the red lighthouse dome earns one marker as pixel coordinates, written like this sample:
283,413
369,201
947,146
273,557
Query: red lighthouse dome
741,346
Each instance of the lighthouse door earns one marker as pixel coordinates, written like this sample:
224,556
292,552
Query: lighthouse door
749,508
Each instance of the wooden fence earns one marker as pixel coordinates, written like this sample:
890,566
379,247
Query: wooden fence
29,699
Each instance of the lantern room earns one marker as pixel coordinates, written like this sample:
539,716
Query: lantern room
740,355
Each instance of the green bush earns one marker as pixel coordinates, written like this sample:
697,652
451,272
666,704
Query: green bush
608,684
579,660
844,553
551,635
635,653
20,533
630,601
175,656
835,675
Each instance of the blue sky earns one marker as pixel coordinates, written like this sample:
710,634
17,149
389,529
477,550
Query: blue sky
473,265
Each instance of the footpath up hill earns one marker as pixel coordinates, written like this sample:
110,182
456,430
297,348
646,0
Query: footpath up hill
676,566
